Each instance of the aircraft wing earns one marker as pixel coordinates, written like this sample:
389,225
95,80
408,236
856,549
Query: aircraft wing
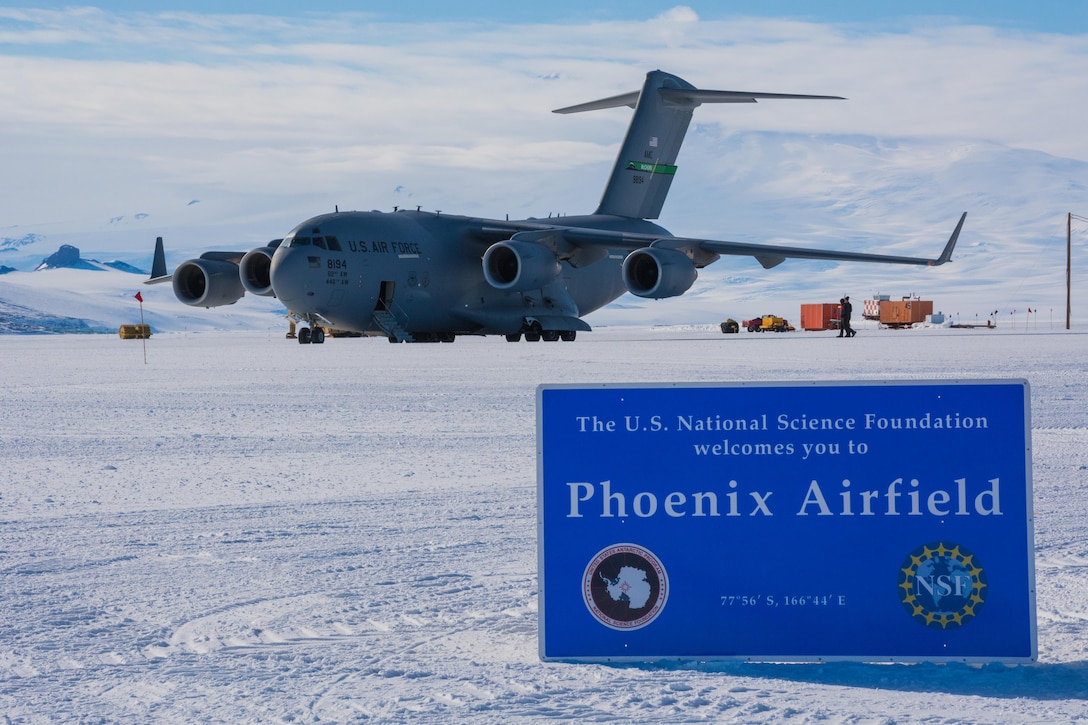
705,251
159,274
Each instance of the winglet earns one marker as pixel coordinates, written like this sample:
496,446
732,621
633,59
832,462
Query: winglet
946,255
158,265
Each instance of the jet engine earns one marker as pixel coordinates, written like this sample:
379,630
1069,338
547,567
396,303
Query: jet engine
657,273
519,266
254,271
207,283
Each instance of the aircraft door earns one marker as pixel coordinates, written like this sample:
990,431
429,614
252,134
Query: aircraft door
385,295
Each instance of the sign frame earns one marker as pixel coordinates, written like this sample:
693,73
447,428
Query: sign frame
580,526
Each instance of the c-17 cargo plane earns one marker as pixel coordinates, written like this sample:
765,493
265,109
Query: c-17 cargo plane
416,276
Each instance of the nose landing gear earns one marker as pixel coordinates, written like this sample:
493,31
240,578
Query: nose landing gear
311,335
314,334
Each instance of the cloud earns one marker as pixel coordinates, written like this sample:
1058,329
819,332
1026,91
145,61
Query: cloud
145,107
679,14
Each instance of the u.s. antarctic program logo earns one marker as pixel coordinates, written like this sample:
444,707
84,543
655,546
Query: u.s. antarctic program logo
625,586
942,585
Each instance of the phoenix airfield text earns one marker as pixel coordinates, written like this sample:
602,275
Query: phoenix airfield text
901,497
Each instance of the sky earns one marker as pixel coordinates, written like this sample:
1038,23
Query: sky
226,123
1063,16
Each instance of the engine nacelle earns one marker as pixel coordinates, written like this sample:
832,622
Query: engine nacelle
658,273
519,266
207,283
254,270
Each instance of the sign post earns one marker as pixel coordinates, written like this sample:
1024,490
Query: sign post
872,521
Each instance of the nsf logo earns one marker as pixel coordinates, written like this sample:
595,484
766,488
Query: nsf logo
625,586
942,585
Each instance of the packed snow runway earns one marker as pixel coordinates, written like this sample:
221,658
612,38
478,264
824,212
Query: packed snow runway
245,529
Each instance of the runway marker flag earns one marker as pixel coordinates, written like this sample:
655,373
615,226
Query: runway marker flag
140,298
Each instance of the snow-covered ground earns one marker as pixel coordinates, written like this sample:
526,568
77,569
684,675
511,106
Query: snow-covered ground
243,529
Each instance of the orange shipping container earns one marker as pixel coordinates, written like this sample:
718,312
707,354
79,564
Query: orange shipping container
820,316
905,312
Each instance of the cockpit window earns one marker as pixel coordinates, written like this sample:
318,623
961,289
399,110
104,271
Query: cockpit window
330,243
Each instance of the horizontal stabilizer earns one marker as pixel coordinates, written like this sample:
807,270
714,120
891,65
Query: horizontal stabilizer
695,97
624,99
646,164
690,97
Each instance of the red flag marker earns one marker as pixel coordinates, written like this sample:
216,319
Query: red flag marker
140,298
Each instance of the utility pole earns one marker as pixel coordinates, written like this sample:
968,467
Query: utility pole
1069,263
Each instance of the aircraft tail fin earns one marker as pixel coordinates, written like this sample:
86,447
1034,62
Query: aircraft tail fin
646,163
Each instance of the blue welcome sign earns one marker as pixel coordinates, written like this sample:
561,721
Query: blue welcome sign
872,521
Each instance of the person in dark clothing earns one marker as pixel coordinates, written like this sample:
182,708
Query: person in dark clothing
844,318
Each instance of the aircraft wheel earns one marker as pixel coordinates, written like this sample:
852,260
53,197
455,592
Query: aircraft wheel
515,337
550,335
304,336
532,337
447,337
568,335
317,337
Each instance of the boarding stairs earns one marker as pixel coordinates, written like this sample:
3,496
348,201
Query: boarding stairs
387,322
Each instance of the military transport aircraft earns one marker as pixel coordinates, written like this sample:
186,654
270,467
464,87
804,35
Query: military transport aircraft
416,276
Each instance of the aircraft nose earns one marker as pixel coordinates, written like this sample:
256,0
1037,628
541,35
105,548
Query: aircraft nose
290,278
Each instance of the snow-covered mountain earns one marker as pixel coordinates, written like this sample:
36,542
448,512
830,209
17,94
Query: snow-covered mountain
900,196
12,244
68,257
68,300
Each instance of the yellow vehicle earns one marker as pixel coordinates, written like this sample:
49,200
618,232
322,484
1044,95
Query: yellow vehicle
769,323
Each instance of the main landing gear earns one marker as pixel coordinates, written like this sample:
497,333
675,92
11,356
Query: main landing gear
545,335
426,337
